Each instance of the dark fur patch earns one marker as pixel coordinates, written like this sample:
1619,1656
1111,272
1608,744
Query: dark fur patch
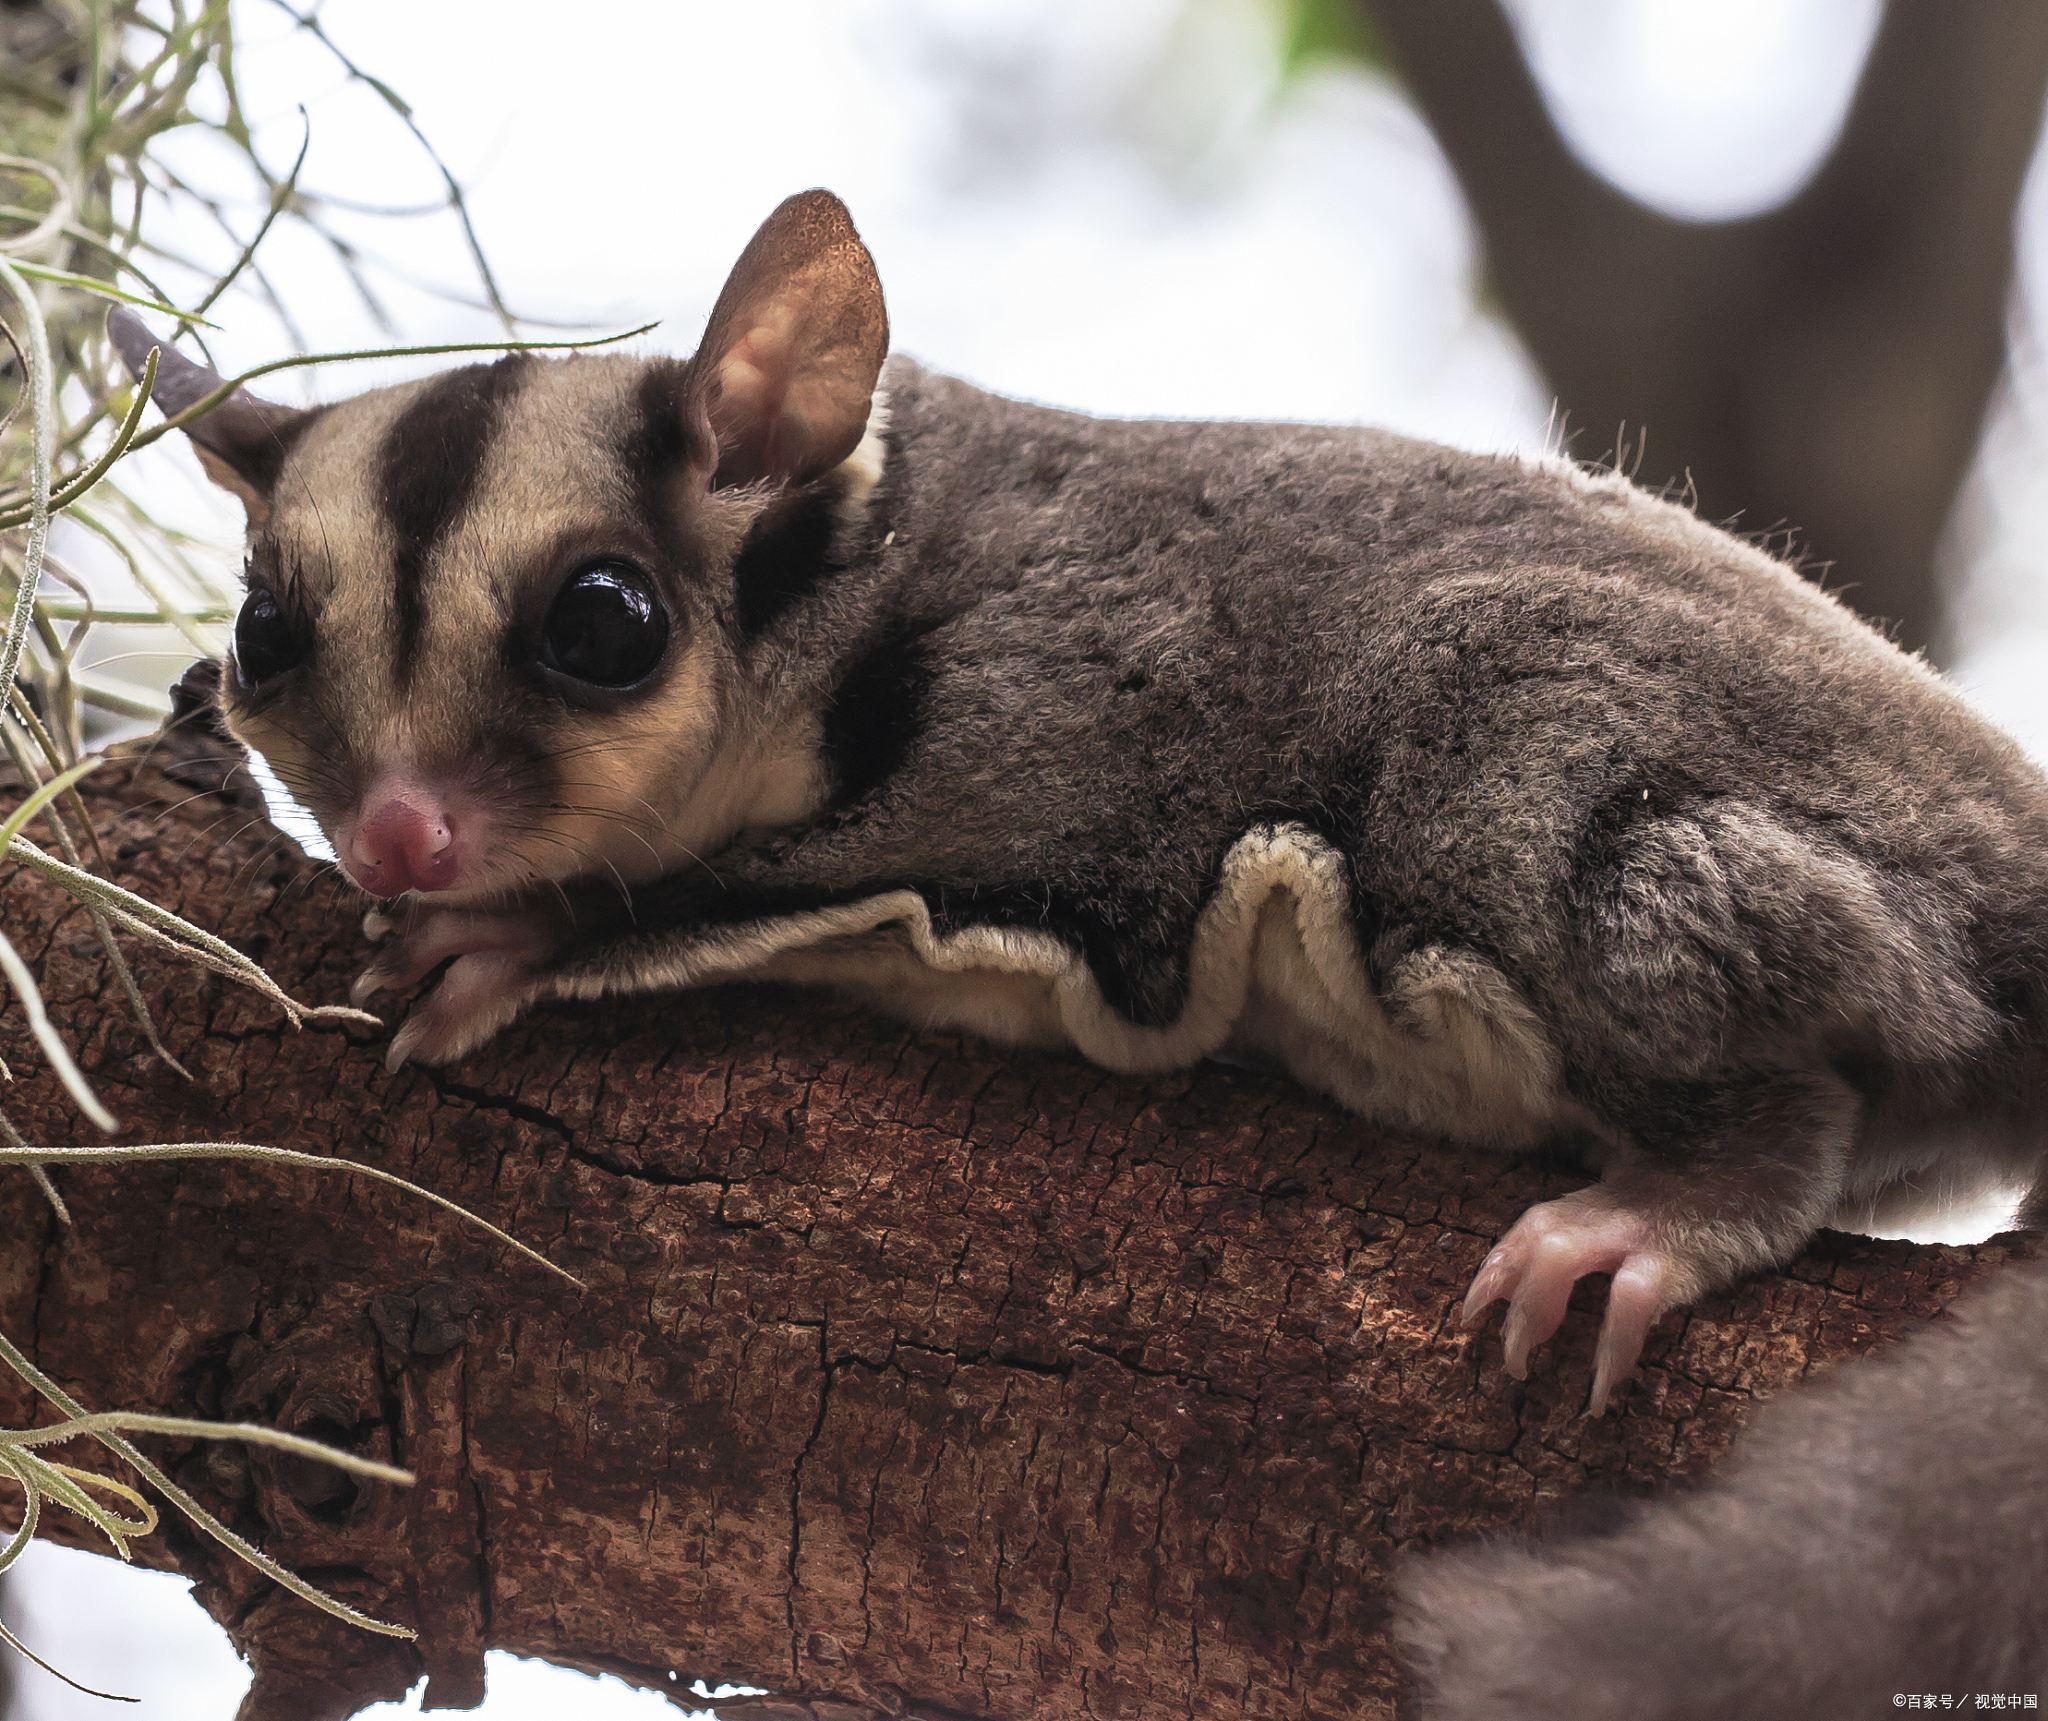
195,699
1651,792
430,463
260,445
1135,949
875,712
787,556
1137,958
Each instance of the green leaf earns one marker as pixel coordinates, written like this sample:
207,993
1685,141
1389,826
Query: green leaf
43,797
1316,32
100,289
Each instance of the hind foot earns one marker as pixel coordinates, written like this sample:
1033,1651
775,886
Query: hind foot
1554,1245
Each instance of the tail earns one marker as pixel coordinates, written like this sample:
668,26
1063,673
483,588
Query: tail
1879,1533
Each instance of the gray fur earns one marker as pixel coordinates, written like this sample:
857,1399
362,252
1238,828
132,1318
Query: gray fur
1883,1530
1595,820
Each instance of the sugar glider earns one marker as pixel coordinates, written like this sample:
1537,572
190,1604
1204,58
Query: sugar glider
1489,795
1879,1534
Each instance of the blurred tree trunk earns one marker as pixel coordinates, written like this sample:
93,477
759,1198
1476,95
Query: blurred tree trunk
1823,367
913,1378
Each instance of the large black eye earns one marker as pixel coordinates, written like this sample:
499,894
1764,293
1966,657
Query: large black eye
267,641
607,627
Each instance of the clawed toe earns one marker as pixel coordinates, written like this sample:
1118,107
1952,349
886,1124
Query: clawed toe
1640,1291
367,985
1549,1249
490,981
405,965
476,997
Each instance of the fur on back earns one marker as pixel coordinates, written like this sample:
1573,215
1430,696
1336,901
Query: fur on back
1589,809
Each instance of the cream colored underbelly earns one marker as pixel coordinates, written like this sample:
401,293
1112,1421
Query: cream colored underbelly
1275,972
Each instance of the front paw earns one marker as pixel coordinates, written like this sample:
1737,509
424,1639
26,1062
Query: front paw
497,972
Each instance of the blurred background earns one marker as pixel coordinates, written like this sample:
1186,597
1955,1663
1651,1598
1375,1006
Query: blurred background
1782,258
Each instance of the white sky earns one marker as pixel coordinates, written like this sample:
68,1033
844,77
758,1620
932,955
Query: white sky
1102,206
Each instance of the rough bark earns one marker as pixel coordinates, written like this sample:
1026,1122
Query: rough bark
913,1378
1821,369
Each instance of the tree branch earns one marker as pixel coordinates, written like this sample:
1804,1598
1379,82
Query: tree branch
913,1378
1822,368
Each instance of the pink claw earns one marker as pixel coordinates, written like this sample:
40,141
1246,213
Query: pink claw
1548,1250
428,940
491,980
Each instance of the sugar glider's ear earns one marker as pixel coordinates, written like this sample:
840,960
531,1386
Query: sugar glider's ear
242,442
786,371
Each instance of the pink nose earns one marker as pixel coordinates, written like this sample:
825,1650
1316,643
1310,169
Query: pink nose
406,841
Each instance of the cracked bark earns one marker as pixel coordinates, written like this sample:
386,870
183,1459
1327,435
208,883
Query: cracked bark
913,1378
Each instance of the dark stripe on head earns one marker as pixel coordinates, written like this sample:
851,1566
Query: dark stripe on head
657,450
431,460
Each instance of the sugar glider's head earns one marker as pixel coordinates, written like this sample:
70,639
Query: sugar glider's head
491,631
